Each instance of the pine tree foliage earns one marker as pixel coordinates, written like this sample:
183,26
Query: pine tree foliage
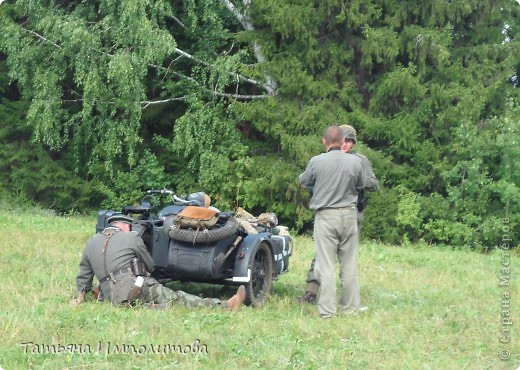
409,77
231,98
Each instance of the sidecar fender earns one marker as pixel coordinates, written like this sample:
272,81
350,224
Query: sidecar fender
242,269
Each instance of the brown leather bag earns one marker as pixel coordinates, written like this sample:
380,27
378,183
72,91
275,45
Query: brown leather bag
193,217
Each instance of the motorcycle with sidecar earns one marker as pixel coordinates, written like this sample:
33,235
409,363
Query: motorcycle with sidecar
225,253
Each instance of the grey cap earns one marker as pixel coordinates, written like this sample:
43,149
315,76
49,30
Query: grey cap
120,218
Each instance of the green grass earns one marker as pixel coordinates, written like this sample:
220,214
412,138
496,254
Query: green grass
429,308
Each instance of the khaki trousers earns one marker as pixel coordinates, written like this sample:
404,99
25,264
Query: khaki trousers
336,237
312,281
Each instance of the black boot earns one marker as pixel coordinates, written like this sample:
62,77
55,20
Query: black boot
308,297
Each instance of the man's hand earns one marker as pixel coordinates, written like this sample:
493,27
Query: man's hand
96,292
77,301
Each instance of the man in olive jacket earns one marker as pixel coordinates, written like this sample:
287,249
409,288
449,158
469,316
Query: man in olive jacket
108,256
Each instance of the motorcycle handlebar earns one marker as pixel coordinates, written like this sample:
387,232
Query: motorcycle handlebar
162,191
181,200
175,198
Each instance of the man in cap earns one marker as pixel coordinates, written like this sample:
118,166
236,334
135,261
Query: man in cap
336,179
371,184
109,256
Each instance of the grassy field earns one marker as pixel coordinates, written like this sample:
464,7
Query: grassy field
429,308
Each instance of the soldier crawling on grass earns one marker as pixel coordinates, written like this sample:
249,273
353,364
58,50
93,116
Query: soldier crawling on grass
121,263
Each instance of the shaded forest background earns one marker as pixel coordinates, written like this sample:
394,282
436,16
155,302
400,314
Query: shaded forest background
102,100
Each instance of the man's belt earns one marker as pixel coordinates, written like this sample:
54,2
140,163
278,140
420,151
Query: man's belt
114,274
349,208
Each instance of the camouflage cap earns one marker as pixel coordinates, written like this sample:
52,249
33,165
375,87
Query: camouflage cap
349,132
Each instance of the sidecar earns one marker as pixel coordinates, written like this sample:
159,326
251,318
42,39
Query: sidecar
225,254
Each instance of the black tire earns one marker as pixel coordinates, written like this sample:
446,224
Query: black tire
261,265
217,232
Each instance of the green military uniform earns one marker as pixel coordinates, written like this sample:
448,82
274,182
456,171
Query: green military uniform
108,256
371,183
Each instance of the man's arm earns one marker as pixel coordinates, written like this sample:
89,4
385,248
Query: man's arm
371,181
143,255
84,279
361,179
307,179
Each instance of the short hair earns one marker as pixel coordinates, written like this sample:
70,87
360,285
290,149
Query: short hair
333,135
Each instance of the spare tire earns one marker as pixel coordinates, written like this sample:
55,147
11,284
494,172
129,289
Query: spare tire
206,236
169,223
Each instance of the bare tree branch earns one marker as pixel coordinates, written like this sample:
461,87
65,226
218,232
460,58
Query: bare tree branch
239,16
242,78
183,53
244,20
146,103
212,92
179,22
37,35
151,102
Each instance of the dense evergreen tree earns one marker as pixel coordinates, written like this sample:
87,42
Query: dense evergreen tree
232,97
416,80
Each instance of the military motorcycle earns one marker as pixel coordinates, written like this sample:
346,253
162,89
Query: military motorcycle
218,249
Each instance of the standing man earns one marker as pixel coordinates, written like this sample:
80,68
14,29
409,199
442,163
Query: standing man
371,184
371,181
336,179
112,256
